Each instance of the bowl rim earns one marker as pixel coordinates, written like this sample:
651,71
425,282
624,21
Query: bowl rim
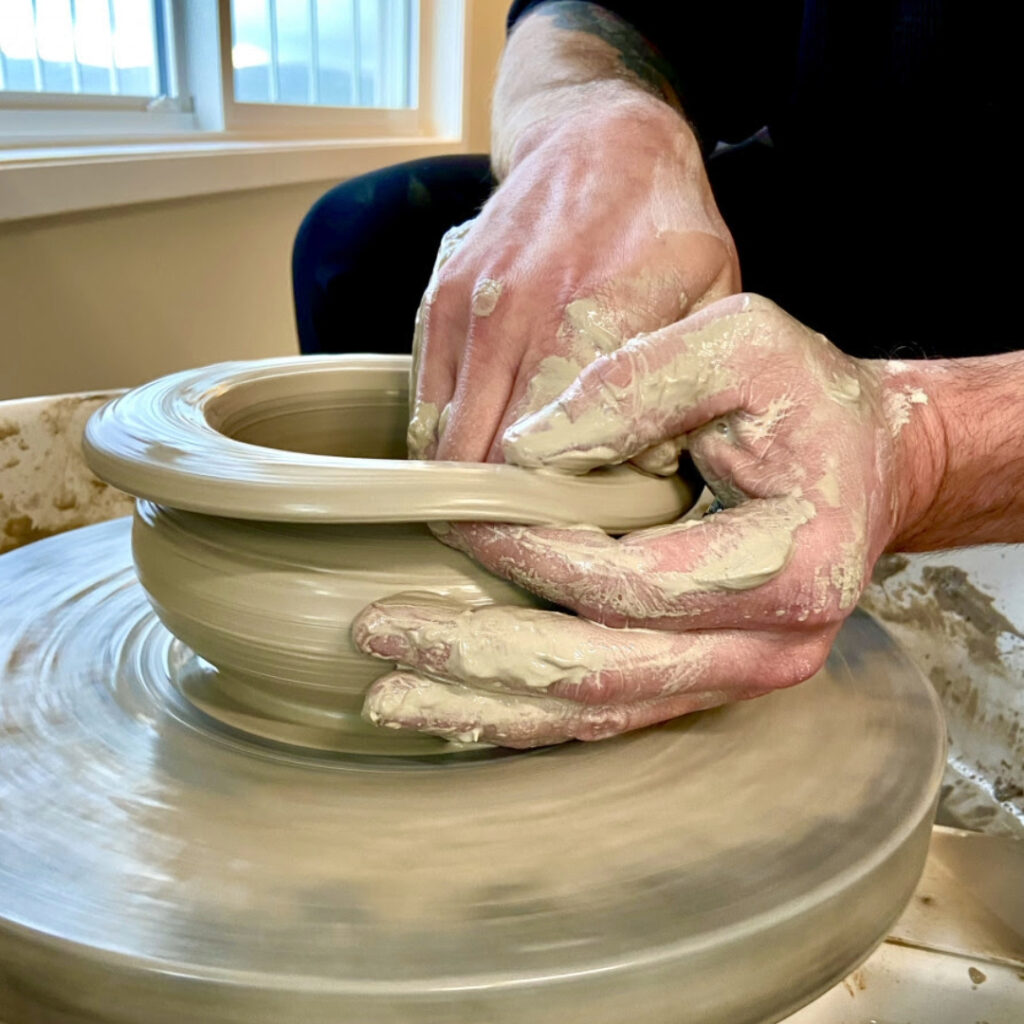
160,441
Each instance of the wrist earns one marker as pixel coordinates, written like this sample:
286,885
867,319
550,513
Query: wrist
569,60
919,452
960,465
599,117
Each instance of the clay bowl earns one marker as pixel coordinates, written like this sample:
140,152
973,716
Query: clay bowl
277,502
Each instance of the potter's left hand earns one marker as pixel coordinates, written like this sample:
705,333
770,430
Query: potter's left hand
809,451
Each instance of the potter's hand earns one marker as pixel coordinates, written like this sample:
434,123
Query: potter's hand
603,226
800,442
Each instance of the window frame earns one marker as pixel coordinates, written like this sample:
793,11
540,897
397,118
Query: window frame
43,175
54,118
274,117
440,61
57,119
202,75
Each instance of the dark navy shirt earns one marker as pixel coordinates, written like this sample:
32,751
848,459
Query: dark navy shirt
823,69
892,124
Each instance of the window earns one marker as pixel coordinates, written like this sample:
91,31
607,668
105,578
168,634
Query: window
341,53
91,47
105,102
75,69
88,68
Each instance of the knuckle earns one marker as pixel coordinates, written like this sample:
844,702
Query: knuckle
366,624
602,722
618,370
754,303
772,325
801,663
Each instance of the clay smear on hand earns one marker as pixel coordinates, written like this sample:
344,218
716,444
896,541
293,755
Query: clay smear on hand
485,297
424,417
751,434
650,575
463,714
507,649
899,401
795,438
578,432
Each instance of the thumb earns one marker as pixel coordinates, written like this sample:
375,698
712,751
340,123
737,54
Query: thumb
656,387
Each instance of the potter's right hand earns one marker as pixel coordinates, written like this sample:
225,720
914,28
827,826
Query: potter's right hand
601,230
808,450
528,677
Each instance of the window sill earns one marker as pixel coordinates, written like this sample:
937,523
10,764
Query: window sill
42,181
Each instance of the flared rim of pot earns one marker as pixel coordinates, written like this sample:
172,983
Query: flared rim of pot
187,441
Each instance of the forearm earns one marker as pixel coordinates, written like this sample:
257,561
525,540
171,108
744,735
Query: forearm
961,452
572,61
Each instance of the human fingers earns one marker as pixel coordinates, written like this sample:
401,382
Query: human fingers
515,650
501,342
439,331
743,566
533,342
406,700
655,388
672,277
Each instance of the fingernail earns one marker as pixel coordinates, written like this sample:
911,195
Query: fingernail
421,435
551,439
373,635
519,443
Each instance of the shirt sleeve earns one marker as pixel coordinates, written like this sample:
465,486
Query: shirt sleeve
732,63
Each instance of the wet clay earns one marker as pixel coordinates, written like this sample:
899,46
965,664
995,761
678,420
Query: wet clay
320,439
269,603
941,609
281,640
159,865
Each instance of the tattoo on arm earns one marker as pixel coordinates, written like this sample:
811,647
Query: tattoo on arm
637,55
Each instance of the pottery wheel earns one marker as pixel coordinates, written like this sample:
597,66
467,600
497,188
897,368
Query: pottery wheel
157,868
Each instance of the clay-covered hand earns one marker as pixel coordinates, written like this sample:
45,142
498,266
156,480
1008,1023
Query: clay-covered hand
802,445
599,231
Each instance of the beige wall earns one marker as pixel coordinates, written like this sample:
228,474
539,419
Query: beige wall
487,37
114,297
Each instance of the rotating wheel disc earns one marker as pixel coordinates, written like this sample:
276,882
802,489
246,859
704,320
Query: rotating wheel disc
156,867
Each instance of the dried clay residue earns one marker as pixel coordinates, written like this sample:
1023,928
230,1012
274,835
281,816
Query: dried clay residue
47,487
944,589
888,566
21,530
971,653
954,594
856,982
